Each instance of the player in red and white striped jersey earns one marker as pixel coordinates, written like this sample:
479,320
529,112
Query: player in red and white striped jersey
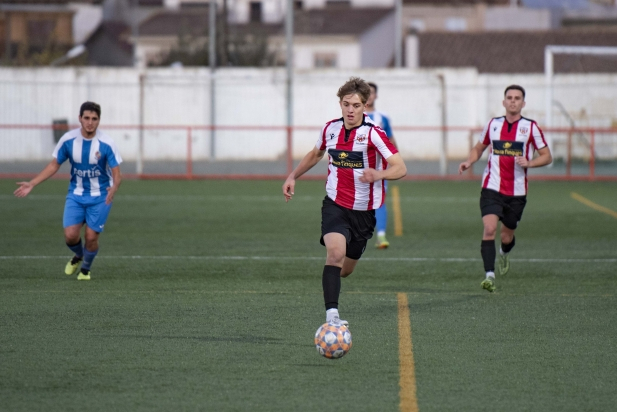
513,140
361,157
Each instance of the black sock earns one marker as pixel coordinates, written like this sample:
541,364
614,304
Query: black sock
488,255
331,282
507,248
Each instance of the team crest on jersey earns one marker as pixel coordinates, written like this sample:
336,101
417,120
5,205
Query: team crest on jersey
523,130
97,155
360,138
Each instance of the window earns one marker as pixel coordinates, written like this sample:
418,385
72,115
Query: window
417,25
40,32
456,24
325,59
255,12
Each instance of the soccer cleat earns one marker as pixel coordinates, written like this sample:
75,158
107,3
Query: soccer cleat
336,321
382,242
84,275
503,263
72,266
488,284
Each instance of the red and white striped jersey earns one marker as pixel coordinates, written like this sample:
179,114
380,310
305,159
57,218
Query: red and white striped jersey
350,153
507,140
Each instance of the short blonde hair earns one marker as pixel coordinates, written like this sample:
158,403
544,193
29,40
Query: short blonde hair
355,85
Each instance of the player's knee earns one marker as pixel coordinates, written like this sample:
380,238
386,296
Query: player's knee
490,231
335,257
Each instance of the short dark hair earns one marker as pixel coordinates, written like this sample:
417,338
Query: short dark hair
355,85
373,85
515,87
91,106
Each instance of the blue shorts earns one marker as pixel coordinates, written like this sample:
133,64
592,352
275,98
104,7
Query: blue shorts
86,209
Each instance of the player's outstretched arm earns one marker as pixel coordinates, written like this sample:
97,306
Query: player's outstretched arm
311,159
474,155
111,191
396,170
26,187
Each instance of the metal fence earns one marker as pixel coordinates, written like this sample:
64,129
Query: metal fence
181,152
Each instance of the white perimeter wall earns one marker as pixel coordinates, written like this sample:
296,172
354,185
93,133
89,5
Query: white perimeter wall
256,97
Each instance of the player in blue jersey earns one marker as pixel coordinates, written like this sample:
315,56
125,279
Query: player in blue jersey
95,178
381,120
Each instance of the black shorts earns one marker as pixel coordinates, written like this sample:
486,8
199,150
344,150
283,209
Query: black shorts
508,208
356,225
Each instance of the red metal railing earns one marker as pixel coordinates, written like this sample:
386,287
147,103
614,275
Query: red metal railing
288,163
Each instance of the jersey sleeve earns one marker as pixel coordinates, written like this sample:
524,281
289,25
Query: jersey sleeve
382,143
113,155
485,137
321,142
537,137
386,126
61,151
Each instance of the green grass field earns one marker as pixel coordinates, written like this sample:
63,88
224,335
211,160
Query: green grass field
206,296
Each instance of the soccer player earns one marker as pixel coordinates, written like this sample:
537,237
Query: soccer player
95,178
381,120
513,140
357,151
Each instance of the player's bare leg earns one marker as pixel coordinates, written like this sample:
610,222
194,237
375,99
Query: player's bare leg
488,250
507,243
348,266
336,247
73,242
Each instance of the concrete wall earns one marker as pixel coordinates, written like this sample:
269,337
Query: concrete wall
256,97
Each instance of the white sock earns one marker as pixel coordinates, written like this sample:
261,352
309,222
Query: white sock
490,275
501,252
331,314
381,233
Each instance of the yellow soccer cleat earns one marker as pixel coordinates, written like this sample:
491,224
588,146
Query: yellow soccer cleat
83,276
489,284
72,266
382,242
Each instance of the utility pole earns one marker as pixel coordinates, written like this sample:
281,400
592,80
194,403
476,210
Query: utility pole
212,61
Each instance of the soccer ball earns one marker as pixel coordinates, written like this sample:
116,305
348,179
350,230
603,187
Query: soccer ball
332,341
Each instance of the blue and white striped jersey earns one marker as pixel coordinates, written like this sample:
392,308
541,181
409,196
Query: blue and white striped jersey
382,121
91,162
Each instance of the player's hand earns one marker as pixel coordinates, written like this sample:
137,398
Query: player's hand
370,175
521,161
463,166
23,189
111,191
288,188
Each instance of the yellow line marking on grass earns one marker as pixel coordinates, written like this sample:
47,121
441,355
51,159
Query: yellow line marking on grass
593,205
396,208
409,401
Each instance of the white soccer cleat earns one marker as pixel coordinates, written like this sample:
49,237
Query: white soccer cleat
336,321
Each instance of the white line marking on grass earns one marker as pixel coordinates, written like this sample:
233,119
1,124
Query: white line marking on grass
301,258
242,198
